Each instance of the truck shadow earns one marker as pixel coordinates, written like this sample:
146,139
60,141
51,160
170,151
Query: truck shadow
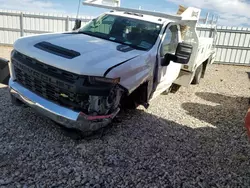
224,110
142,147
203,157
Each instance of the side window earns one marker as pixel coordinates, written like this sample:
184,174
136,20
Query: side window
170,41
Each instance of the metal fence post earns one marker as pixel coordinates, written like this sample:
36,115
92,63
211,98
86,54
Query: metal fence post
21,25
67,24
207,18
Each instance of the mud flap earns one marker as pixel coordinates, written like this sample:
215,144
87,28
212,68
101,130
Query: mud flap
185,78
4,71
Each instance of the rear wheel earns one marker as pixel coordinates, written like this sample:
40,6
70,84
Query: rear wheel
197,76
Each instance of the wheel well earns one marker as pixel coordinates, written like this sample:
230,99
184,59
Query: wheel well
138,97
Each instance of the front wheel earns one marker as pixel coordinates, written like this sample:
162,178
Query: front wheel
197,76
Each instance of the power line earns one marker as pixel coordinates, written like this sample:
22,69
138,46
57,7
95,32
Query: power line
78,9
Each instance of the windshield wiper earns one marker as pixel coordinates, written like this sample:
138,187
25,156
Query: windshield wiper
93,34
132,46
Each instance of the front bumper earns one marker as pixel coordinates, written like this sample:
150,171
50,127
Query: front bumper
64,116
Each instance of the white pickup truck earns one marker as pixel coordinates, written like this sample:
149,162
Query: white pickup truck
124,57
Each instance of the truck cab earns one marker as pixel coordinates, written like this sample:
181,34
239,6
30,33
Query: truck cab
81,78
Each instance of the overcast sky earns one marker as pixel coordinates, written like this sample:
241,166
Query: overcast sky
231,12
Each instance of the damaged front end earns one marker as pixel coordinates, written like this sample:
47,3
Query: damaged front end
93,101
100,96
99,109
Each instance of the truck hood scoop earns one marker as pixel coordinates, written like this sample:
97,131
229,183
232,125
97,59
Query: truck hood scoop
57,50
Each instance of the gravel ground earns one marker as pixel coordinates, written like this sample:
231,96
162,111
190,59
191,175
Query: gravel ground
5,52
194,138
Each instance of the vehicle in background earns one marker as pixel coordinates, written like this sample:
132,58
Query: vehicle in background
4,71
124,57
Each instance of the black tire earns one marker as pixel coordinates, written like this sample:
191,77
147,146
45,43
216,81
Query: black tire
197,76
6,80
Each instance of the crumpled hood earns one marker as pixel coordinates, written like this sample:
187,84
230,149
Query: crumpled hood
95,58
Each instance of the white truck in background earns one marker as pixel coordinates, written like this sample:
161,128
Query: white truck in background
124,57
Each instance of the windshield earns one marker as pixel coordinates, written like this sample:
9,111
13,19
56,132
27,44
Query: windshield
135,33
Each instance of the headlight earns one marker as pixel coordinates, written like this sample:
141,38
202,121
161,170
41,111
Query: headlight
96,80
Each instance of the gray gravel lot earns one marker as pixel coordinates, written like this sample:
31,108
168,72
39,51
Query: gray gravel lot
194,138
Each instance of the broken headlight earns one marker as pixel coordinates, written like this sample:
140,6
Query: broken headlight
102,80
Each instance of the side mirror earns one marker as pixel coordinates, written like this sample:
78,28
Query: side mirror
78,24
182,55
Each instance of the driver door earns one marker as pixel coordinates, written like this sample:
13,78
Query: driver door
168,74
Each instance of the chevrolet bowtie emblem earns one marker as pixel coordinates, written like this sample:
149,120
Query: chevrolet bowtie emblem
64,95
